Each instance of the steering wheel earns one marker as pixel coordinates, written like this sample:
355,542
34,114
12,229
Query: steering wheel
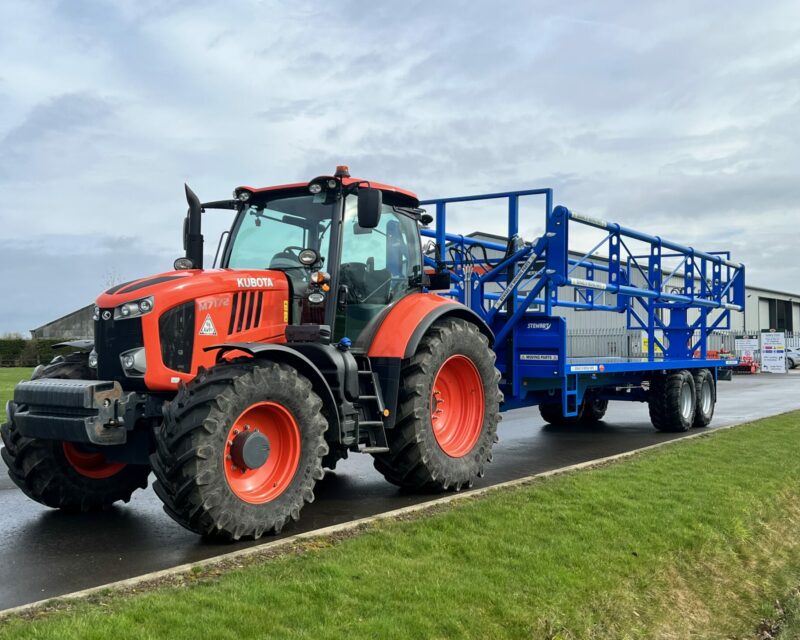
294,250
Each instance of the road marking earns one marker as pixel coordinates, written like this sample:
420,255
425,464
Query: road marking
226,558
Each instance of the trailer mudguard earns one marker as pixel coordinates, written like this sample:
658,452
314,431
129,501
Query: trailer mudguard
295,359
405,322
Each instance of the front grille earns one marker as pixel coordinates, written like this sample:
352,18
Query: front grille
111,338
246,311
176,333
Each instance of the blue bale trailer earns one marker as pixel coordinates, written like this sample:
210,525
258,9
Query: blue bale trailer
675,295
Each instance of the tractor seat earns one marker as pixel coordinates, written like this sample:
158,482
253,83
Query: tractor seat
283,260
363,286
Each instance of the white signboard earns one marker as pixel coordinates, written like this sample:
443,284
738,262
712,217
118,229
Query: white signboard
746,347
773,352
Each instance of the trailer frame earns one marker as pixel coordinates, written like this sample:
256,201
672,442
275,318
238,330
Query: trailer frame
529,283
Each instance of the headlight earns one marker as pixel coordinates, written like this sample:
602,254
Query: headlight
93,359
134,309
308,257
134,362
96,314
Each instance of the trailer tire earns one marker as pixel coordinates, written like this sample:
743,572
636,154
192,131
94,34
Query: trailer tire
63,475
195,462
706,397
672,401
590,412
453,364
594,409
552,413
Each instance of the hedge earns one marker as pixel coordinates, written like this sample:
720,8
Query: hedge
18,352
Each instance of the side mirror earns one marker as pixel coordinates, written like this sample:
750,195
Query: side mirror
370,202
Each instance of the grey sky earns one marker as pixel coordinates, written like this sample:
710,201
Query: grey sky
680,118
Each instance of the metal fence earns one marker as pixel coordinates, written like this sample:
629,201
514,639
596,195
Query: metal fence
623,343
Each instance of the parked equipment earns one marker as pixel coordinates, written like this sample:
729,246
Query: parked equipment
327,330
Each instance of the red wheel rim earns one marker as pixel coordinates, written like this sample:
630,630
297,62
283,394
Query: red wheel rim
271,479
457,403
91,464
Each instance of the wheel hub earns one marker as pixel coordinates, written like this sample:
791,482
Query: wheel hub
456,405
262,452
250,450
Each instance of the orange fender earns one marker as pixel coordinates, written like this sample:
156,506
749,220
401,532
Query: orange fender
407,321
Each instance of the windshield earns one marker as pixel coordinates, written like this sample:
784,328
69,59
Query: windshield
270,234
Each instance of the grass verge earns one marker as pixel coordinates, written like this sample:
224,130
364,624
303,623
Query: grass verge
9,377
692,540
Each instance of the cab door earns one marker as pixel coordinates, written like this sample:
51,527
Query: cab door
378,267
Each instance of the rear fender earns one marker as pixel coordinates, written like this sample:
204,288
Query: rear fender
286,355
401,330
404,324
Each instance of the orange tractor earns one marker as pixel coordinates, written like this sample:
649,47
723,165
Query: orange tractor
320,334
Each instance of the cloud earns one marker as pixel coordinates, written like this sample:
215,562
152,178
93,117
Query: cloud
680,119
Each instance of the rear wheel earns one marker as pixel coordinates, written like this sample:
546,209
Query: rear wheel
240,450
65,475
706,397
448,411
672,401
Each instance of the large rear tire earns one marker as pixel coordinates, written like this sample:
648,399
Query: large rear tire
448,411
211,478
68,476
672,401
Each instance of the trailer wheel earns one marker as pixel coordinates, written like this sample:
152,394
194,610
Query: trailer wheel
240,450
672,401
552,413
593,410
448,411
706,394
63,475
590,412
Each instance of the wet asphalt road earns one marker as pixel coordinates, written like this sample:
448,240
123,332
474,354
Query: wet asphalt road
45,553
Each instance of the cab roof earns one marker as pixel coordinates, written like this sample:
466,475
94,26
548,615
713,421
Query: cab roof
387,188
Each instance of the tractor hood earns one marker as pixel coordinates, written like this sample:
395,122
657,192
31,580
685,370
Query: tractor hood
174,287
168,321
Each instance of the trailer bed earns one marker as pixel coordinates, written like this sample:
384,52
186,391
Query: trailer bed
620,364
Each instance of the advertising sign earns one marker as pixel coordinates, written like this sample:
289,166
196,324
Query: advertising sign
746,347
773,352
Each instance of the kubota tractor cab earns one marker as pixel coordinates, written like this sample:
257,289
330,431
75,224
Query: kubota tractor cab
318,335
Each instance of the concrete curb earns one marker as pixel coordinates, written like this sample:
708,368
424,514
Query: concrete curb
233,556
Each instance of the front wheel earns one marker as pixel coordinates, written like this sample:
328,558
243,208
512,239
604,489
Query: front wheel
448,411
590,412
73,477
240,450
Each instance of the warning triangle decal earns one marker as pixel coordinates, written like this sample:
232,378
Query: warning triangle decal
208,328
